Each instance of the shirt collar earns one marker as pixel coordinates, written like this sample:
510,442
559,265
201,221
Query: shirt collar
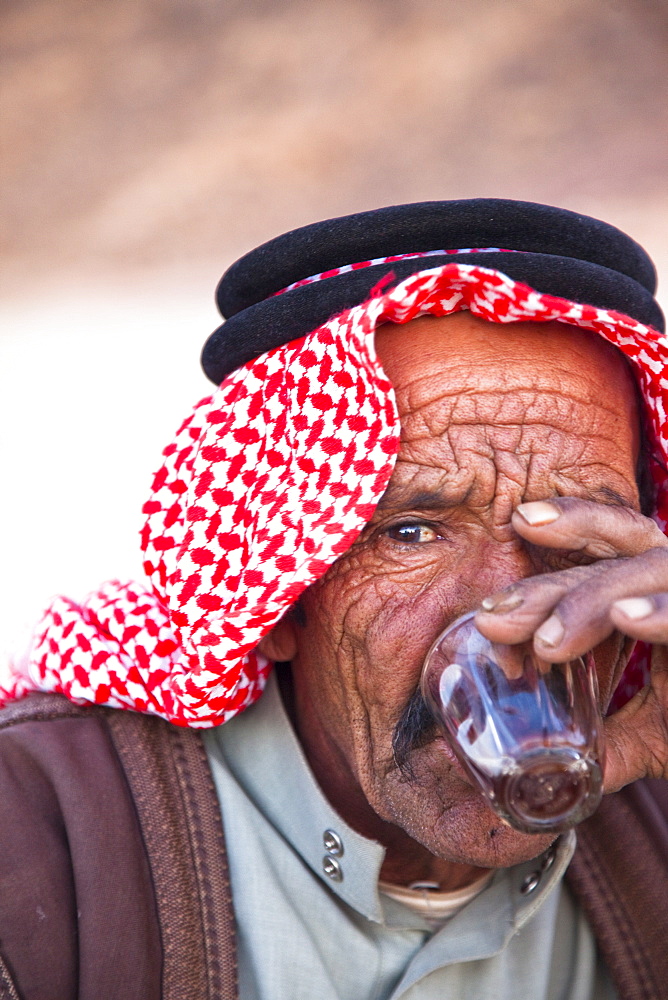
262,751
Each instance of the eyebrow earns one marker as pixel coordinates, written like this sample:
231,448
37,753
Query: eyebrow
607,495
399,498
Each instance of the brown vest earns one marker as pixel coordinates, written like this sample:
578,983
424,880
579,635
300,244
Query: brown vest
114,880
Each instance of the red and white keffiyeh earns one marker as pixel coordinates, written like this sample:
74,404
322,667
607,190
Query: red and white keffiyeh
269,480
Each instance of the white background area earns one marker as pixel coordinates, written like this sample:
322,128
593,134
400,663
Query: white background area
92,387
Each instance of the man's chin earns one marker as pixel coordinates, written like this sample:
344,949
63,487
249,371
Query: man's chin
441,808
470,832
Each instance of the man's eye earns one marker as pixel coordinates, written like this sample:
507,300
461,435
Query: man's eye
413,534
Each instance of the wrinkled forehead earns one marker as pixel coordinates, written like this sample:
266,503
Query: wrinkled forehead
462,354
534,407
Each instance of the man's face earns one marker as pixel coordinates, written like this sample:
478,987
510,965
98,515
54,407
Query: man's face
491,417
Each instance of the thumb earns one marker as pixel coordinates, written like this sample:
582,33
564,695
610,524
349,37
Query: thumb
637,738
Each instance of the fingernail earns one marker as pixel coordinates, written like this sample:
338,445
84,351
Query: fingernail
635,607
499,603
551,632
539,512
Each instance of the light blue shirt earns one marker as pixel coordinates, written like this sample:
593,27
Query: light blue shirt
304,936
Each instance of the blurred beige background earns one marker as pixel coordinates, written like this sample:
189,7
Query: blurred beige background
147,144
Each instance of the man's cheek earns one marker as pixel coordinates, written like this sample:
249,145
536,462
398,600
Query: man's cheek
409,618
356,590
396,642
358,623
376,616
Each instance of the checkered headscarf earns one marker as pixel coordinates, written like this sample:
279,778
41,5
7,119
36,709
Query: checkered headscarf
267,482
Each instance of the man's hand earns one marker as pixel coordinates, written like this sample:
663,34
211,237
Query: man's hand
571,611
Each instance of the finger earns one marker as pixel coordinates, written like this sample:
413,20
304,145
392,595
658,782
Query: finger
570,612
582,618
601,531
644,618
513,615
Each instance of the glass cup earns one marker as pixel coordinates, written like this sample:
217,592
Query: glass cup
529,733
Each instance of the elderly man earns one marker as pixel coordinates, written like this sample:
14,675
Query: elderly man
402,434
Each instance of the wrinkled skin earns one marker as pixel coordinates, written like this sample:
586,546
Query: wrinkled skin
492,418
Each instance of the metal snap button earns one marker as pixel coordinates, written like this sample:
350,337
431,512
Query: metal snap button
548,860
530,883
333,843
332,868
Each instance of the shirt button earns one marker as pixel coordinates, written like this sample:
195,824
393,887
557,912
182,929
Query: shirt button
332,868
530,883
548,860
333,843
